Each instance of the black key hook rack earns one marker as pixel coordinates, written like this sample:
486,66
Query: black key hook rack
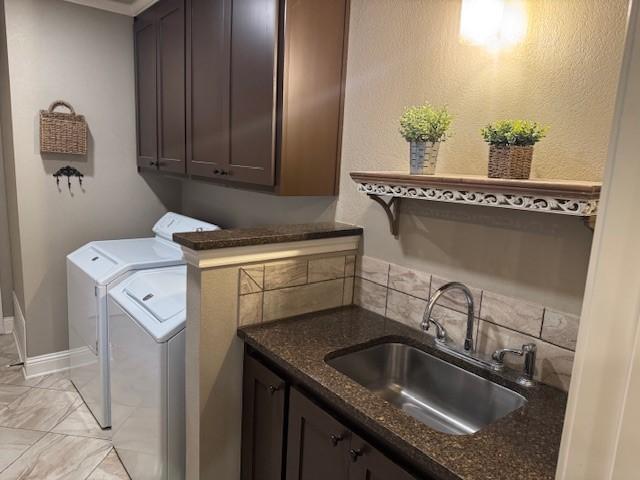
68,171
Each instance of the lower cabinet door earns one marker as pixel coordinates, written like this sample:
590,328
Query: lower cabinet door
367,463
318,445
263,420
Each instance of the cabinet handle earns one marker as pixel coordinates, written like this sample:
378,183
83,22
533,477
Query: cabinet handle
154,164
335,439
355,453
221,172
274,388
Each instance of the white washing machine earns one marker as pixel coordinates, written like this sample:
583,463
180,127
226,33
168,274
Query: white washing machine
147,313
92,271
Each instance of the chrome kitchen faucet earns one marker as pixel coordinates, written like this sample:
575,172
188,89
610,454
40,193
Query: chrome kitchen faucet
441,332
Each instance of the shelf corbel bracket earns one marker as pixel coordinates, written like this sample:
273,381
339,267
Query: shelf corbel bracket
392,209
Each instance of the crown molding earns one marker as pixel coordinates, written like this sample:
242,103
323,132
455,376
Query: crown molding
130,10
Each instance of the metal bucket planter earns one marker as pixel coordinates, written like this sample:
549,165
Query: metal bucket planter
424,156
510,161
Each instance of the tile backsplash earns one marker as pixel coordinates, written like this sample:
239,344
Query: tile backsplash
401,294
275,290
283,289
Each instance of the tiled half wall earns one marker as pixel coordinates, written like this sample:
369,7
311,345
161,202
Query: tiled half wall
401,294
283,289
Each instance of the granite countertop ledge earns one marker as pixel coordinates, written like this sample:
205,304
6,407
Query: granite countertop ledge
522,445
242,237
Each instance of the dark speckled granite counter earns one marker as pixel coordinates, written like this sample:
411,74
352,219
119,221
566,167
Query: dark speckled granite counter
243,237
523,445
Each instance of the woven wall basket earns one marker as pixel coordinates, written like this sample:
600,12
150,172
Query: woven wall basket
62,132
510,161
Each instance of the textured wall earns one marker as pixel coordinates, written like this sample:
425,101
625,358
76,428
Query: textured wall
230,207
405,52
564,74
60,50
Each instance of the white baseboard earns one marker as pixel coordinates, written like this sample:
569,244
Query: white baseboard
33,366
45,364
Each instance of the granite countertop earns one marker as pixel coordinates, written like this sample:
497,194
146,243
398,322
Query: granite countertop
241,237
522,445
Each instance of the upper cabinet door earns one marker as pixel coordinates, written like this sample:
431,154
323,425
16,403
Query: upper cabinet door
146,91
208,52
171,85
314,53
254,66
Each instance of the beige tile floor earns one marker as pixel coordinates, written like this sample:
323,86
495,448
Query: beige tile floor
46,431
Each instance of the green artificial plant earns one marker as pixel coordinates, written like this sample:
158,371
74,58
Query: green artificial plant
514,132
425,123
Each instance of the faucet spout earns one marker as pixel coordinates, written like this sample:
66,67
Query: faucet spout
426,319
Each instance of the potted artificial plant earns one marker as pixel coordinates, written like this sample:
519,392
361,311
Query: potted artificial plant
511,147
424,127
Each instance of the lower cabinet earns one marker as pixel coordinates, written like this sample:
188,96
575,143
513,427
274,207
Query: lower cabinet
317,445
370,464
286,436
263,422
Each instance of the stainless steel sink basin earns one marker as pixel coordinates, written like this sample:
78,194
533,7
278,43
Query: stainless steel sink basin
438,394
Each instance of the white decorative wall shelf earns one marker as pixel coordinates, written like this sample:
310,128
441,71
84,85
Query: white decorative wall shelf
564,197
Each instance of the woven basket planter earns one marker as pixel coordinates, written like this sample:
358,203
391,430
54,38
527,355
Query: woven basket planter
423,158
510,161
62,132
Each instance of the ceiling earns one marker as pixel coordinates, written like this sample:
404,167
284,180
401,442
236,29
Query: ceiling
123,7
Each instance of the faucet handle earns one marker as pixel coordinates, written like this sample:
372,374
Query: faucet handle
441,332
498,355
528,350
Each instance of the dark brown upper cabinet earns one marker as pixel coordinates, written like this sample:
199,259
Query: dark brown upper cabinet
253,96
160,87
312,68
287,88
263,96
208,51
146,41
